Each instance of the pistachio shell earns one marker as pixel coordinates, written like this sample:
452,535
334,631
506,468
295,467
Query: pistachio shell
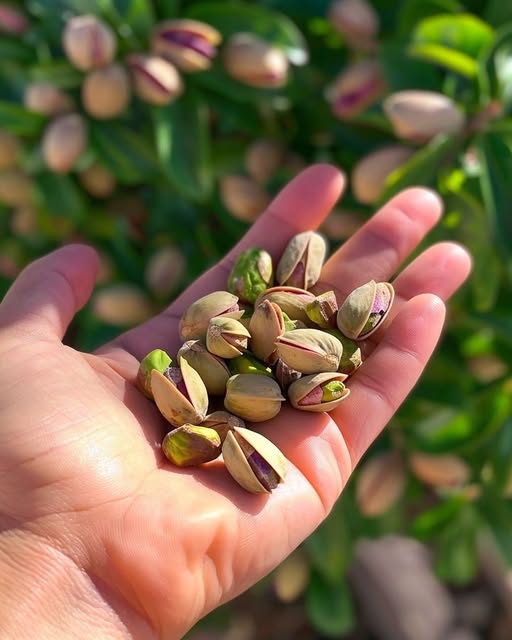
266,325
222,422
212,369
302,260
255,62
357,21
364,309
299,389
309,350
251,275
173,405
191,445
291,300
226,337
285,375
380,483
351,358
156,359
189,44
194,322
253,461
249,364
323,310
253,397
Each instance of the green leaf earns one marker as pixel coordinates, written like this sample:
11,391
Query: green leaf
401,72
58,72
434,520
495,70
456,558
14,51
498,514
19,121
61,196
182,140
498,13
330,608
444,57
414,11
138,14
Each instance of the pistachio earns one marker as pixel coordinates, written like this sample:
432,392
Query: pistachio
302,260
251,60
309,350
357,21
156,80
98,180
420,115
249,364
253,397
156,359
263,159
357,87
285,375
351,358
380,483
266,325
254,462
124,305
226,337
222,422
292,577
165,270
9,150
189,44
15,188
106,92
12,21
45,98
180,394
243,197
318,392
194,322
88,42
323,310
291,300
440,471
364,310
251,275
213,370
24,221
64,140
341,224
191,445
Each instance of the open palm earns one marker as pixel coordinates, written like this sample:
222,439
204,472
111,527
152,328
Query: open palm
147,548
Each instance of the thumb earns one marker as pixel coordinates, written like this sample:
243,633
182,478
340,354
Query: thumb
48,293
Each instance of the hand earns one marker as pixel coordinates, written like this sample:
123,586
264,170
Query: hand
97,529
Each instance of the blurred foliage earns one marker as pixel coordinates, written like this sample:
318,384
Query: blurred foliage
167,162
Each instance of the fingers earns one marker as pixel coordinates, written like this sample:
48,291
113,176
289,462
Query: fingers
49,292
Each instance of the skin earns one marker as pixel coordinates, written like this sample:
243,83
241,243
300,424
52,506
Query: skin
97,530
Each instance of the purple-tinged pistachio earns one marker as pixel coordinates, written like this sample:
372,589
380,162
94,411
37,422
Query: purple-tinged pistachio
249,364
253,397
106,92
323,310
254,462
222,422
45,98
180,394
15,188
358,86
266,325
264,158
420,115
255,62
369,175
251,275
212,369
364,310
156,359
318,392
88,42
226,337
64,140
165,270
98,180
189,44
156,80
291,300
351,358
302,260
12,21
243,197
9,150
285,375
309,350
194,322
357,21
191,445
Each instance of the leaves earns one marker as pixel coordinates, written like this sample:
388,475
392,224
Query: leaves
495,72
329,607
19,121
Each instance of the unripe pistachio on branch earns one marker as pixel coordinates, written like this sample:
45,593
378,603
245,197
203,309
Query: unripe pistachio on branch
44,98
380,483
15,188
106,92
98,181
121,304
357,87
12,21
88,42
189,44
264,158
244,198
255,62
9,148
357,21
370,174
164,270
64,139
156,80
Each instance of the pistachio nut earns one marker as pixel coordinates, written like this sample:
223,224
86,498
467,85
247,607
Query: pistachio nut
165,270
106,92
180,394
351,358
15,188
369,175
318,392
364,310
341,224
191,45
9,149
12,21
191,445
357,21
255,62
156,80
222,422
249,364
226,337
98,180
45,98
88,42
156,359
263,159
64,140
291,300
440,471
124,305
253,397
420,115
380,483
358,86
285,375
323,310
194,322
309,350
266,325
254,462
302,260
213,370
243,197
251,275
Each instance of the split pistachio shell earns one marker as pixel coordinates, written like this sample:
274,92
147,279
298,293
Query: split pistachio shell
310,350
191,45
253,461
251,275
323,310
177,407
291,300
318,392
301,263
156,359
191,445
222,422
249,364
212,369
194,322
266,325
364,309
285,375
351,358
253,397
226,337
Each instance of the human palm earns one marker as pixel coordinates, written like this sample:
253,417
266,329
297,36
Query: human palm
80,463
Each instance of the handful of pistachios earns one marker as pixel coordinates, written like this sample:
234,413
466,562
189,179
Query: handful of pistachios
248,350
